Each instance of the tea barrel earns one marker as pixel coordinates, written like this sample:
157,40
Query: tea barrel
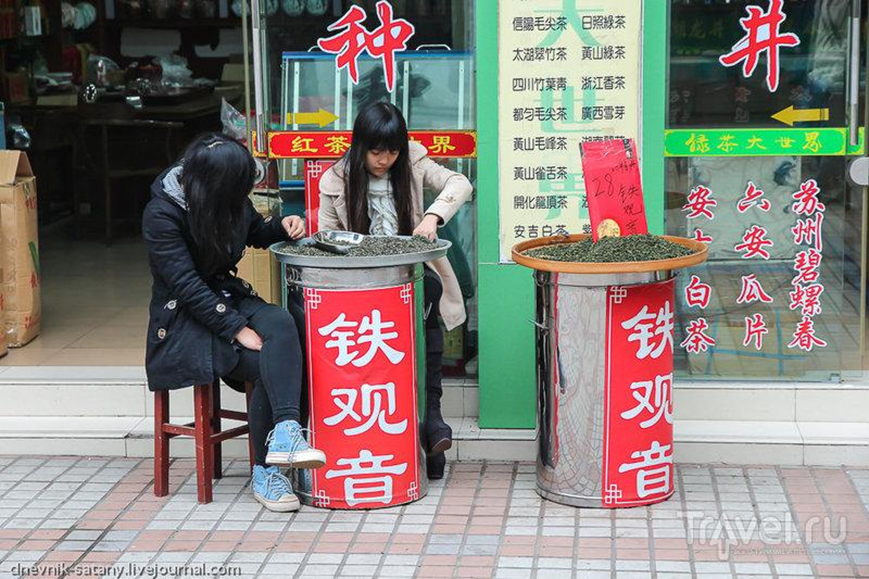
365,355
604,343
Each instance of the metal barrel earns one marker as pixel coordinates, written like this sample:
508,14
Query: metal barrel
571,344
368,284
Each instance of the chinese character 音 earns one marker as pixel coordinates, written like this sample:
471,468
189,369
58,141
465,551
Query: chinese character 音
653,469
368,479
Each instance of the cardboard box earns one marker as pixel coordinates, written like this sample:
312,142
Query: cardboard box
19,249
262,270
16,87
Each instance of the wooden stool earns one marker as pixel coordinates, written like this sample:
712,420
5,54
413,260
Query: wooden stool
205,430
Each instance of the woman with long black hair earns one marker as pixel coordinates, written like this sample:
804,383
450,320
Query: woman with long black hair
207,323
377,189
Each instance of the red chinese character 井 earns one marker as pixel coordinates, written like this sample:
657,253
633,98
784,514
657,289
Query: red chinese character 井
806,263
700,202
807,299
804,336
753,243
702,237
697,293
354,39
762,34
752,291
808,232
697,340
751,198
806,199
755,330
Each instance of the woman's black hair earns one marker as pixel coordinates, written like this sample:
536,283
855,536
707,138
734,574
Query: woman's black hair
379,126
217,175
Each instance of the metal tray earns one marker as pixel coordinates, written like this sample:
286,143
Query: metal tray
345,262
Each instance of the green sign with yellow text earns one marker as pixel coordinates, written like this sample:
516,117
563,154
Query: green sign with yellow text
823,142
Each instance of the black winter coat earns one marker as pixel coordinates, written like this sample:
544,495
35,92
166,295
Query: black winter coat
188,311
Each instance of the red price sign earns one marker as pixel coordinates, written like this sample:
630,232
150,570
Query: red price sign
362,376
612,186
638,397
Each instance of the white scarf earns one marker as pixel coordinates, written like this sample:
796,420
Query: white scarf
381,207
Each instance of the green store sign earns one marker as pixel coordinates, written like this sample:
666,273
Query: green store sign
820,142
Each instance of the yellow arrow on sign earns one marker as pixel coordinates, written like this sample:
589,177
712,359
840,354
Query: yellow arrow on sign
321,118
790,115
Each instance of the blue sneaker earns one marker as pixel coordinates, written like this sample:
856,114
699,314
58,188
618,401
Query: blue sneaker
273,490
287,446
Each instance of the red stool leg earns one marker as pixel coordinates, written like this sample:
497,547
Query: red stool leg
248,392
202,439
217,447
161,443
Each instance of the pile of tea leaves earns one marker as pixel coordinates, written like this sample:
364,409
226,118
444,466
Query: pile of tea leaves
611,250
369,247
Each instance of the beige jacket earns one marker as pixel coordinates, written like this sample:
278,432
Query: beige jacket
455,190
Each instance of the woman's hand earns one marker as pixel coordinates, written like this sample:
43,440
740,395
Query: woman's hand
294,226
249,339
428,227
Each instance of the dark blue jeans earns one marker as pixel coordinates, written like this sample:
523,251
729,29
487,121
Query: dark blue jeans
276,372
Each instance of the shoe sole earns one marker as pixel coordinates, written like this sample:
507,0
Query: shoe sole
279,506
442,445
304,459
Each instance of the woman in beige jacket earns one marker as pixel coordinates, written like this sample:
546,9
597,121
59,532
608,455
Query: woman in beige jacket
377,189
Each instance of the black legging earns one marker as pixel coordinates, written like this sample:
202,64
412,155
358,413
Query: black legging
276,373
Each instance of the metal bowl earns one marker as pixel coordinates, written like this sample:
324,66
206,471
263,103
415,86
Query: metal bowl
337,241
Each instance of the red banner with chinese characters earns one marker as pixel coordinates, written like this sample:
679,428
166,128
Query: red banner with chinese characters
313,173
638,397
362,377
612,187
333,144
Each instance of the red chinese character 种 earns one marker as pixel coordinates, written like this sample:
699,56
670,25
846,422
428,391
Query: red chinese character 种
700,202
752,291
354,39
755,330
751,198
804,336
762,34
806,199
697,293
753,243
697,340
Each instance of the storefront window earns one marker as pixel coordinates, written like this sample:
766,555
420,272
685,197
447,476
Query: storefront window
434,88
748,153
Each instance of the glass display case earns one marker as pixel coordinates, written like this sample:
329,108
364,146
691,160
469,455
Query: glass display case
434,89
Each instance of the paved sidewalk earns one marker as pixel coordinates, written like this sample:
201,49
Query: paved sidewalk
98,517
